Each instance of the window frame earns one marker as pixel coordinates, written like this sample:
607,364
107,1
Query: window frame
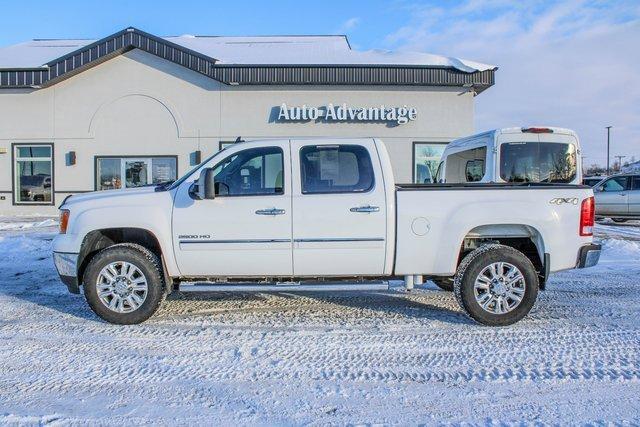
14,176
281,152
413,156
373,173
96,158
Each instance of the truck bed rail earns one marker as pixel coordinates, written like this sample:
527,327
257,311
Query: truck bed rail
487,186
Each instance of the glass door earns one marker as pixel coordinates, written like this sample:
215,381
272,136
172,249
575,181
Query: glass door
136,172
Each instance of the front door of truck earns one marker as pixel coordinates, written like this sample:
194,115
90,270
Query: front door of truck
339,209
246,229
612,196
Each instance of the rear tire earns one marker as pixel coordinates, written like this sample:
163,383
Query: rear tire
444,283
124,284
496,285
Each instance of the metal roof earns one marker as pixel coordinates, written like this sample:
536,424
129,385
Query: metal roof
265,60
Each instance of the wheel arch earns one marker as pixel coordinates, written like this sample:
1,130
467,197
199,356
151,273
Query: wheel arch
97,240
524,238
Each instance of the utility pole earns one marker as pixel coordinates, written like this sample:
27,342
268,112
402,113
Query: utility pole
608,141
619,162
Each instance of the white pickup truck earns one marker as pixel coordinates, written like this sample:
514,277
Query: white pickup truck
320,215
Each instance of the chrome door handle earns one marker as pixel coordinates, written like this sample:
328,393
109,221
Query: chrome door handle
365,209
273,211
622,194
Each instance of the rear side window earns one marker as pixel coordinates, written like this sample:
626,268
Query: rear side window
335,169
538,162
474,171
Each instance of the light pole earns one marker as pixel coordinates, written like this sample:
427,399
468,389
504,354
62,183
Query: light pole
608,140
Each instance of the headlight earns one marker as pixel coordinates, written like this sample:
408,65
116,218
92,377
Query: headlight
64,220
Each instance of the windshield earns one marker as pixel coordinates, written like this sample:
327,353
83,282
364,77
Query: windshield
538,162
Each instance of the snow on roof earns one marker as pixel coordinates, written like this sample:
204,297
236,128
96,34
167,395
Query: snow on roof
264,50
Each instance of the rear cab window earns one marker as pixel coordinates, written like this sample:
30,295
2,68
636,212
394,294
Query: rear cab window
335,169
551,162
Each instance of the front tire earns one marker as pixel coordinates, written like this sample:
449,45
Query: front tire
124,284
496,285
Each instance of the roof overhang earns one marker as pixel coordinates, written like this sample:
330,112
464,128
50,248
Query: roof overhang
352,75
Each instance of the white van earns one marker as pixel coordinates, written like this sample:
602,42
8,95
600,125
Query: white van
512,155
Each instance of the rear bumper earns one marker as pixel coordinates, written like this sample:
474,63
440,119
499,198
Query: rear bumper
589,255
67,266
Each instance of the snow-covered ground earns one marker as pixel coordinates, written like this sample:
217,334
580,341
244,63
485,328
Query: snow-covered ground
318,359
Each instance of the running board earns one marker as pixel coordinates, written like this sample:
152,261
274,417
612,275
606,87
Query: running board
285,287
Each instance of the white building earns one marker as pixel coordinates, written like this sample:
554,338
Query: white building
134,109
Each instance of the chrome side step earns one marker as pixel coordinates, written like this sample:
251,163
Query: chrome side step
285,286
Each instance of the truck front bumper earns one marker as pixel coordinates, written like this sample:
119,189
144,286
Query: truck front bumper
67,266
589,255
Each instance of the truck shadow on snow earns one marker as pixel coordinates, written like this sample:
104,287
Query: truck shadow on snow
365,305
370,306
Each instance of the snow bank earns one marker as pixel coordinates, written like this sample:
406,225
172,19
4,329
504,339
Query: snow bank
617,249
19,224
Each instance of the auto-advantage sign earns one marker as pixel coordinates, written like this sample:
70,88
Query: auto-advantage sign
345,113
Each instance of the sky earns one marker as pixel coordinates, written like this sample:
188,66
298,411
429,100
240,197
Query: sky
572,64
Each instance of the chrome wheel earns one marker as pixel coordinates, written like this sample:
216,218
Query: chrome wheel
122,287
499,288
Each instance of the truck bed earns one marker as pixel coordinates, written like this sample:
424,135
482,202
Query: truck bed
434,219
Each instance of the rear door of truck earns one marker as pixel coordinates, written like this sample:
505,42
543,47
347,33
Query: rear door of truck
339,208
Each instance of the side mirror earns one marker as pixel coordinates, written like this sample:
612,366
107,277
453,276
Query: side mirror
598,188
206,186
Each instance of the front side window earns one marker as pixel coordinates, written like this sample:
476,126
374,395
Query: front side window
538,162
615,184
636,182
257,171
426,158
113,173
335,169
33,172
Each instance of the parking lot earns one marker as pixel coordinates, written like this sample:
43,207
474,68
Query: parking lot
317,358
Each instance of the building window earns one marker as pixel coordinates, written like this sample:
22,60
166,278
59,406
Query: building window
335,169
113,173
426,157
33,174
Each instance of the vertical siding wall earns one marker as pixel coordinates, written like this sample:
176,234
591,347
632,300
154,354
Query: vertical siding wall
138,104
